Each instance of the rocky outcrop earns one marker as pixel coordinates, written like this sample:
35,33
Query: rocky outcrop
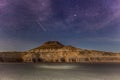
54,51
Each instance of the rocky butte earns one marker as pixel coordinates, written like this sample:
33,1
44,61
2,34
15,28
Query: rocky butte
54,51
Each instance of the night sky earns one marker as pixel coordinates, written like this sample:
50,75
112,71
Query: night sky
87,24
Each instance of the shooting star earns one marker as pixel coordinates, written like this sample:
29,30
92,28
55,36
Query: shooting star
41,26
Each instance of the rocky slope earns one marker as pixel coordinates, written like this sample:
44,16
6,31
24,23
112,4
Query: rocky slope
54,51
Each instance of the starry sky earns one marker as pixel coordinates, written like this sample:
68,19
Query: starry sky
87,24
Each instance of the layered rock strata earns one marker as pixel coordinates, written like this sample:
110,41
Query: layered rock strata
53,51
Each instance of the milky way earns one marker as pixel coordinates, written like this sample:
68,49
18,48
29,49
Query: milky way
92,24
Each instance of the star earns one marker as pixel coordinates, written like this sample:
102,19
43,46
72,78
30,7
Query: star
75,15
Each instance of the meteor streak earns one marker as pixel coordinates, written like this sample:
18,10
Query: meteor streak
41,26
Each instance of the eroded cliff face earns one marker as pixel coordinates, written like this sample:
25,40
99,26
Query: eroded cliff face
53,51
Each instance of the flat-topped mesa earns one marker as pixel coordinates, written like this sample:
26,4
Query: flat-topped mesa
54,51
52,44
47,46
